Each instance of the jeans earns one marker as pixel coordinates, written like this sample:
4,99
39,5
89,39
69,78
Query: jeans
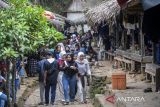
3,98
42,90
69,86
17,86
53,92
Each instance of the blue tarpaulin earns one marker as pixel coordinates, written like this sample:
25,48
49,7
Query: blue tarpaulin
147,4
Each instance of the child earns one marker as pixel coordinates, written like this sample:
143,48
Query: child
22,73
3,97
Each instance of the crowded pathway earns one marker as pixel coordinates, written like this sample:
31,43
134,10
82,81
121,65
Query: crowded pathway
64,73
34,99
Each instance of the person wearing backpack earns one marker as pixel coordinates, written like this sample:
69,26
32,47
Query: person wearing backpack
50,78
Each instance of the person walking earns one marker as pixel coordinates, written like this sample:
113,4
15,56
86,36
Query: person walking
69,79
3,97
60,75
57,52
77,49
22,73
84,70
33,65
50,77
67,49
40,71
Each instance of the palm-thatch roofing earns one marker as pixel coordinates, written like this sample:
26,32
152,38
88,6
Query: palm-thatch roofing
103,11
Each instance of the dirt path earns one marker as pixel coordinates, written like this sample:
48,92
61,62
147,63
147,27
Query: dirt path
30,84
34,99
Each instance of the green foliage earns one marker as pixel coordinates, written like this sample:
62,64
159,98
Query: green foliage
24,29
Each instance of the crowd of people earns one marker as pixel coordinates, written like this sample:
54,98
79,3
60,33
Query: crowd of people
65,67
68,68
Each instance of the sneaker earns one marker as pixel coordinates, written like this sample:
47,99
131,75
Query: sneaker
52,103
66,103
85,102
72,102
46,104
41,103
81,102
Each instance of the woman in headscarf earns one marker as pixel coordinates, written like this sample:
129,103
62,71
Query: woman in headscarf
73,39
83,48
77,49
67,49
62,46
83,70
61,60
69,79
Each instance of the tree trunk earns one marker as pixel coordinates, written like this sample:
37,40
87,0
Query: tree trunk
13,82
8,82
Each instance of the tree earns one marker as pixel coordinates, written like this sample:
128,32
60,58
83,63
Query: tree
23,29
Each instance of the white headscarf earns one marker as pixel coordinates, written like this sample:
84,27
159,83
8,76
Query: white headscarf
73,36
62,46
78,58
84,61
61,54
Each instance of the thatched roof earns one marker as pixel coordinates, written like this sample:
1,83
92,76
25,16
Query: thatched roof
103,11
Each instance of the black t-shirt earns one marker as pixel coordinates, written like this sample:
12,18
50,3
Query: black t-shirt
68,71
52,71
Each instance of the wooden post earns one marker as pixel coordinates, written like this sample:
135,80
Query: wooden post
123,40
133,44
142,37
154,52
142,52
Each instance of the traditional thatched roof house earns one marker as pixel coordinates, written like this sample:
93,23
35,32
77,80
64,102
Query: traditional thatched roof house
76,13
103,11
